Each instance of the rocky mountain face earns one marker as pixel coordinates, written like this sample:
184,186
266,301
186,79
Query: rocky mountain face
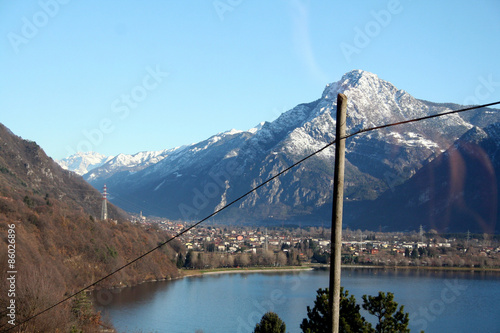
191,181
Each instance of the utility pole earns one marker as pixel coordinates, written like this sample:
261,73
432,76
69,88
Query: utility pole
338,200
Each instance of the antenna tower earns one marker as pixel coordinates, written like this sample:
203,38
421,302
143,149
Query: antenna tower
104,210
265,244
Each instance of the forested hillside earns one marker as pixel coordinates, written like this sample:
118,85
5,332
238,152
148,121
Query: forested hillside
60,244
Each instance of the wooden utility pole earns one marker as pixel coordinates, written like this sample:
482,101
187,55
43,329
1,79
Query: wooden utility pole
338,200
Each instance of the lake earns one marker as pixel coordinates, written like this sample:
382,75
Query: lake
437,301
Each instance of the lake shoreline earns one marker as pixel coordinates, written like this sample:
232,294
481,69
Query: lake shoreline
189,273
183,273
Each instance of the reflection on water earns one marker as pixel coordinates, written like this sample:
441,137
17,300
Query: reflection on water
438,301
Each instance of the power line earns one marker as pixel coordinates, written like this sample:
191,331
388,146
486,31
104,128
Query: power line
244,195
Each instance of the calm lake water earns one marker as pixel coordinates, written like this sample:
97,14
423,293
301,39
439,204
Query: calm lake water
436,301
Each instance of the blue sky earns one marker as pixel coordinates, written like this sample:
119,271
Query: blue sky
129,76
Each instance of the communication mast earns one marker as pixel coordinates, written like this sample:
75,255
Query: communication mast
104,210
265,244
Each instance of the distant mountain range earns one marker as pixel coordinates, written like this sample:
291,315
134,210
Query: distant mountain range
189,182
81,163
100,166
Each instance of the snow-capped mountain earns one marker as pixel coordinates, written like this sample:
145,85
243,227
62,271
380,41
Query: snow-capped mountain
95,165
81,163
191,181
128,163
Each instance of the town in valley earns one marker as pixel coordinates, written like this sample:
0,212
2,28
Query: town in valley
217,245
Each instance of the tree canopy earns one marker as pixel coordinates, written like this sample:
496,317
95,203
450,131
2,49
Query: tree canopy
270,323
383,306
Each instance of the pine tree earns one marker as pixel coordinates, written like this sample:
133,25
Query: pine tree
319,317
189,259
180,260
390,319
270,323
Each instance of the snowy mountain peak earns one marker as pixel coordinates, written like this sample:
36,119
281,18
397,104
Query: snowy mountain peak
358,80
358,77
81,162
231,132
373,101
130,163
148,157
256,128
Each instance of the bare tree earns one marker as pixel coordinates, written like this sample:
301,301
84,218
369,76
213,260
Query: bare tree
281,260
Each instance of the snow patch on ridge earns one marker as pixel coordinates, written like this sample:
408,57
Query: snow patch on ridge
159,185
